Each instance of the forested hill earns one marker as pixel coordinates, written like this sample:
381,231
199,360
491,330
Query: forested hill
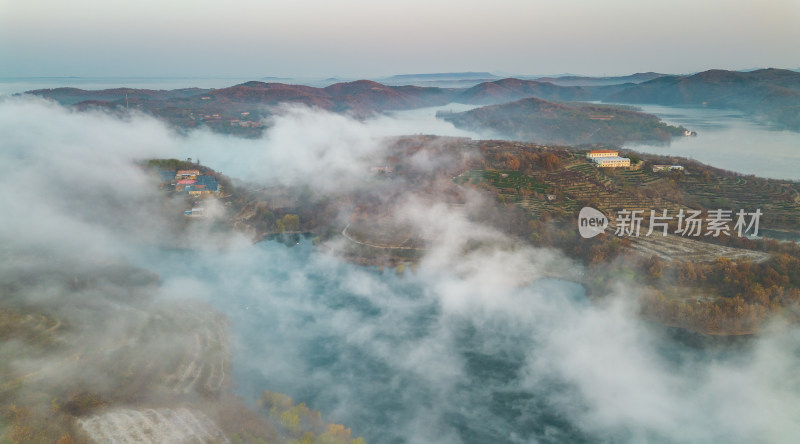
567,124
772,94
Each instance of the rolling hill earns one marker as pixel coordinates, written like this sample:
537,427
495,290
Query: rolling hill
568,124
569,80
360,98
72,96
771,94
507,90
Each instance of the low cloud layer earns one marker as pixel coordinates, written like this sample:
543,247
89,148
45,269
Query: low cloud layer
309,147
476,345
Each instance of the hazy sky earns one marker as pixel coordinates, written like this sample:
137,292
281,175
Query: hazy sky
359,38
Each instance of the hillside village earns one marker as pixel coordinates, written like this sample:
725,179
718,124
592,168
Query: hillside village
612,159
196,184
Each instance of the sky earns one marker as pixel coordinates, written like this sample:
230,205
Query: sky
371,39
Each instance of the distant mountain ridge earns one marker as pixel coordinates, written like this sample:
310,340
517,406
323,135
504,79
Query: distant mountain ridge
441,80
511,89
72,96
572,80
361,97
770,94
445,75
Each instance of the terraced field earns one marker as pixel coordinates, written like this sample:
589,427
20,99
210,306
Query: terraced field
31,327
538,206
151,426
637,177
679,248
585,182
779,201
38,331
579,182
515,187
165,352
197,357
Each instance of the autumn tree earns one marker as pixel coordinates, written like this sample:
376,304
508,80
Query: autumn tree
654,267
291,222
549,161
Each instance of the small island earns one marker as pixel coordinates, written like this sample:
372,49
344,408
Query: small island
572,123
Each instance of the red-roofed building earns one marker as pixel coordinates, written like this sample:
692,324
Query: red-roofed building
602,153
187,174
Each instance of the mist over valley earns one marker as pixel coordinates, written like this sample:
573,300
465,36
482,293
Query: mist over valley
385,277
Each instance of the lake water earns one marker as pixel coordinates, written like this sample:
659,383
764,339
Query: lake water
726,139
424,121
729,140
371,349
431,357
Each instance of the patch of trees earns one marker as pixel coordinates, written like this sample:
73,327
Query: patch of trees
739,295
175,164
289,222
526,158
299,424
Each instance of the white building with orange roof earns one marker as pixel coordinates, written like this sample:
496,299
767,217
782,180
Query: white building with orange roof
612,162
602,153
